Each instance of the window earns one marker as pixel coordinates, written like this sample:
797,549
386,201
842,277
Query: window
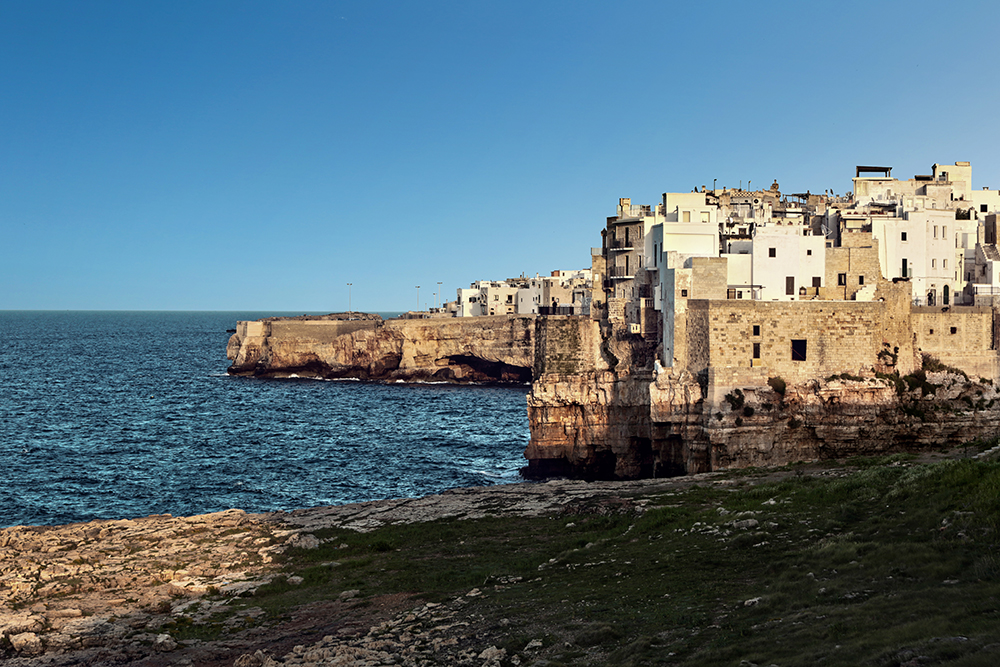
756,350
772,252
861,280
817,281
739,294
789,284
686,216
954,330
798,350
705,216
933,263
983,208
756,330
944,264
944,231
931,332
944,300
684,292
809,252
935,231
902,236
841,279
902,273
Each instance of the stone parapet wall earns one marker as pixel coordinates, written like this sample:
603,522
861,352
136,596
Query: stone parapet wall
960,336
839,336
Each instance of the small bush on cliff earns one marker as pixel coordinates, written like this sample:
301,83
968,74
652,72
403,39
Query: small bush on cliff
777,384
735,399
794,423
887,357
933,364
896,381
918,379
748,411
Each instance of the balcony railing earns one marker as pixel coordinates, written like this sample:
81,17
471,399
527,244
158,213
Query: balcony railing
619,272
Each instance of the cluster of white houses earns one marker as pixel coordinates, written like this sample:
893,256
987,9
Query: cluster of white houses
561,293
934,230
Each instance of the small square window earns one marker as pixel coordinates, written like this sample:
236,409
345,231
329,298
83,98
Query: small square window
841,279
931,332
983,208
756,330
684,292
798,350
817,281
772,252
809,251
954,330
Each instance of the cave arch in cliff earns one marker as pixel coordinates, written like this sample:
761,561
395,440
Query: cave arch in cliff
491,371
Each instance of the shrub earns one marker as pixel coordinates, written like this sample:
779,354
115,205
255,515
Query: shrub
777,384
735,399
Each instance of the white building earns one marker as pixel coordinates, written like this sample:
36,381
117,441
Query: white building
789,261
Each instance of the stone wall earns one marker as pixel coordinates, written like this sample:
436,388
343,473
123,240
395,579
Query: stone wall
323,331
801,340
567,345
959,336
858,260
709,277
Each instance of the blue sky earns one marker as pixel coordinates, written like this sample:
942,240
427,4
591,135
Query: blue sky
261,155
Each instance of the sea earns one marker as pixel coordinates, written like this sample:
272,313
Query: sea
114,414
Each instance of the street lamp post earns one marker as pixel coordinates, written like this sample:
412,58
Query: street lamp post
418,298
349,300
440,296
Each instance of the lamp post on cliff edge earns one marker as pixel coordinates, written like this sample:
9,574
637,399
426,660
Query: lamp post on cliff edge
418,298
440,296
349,300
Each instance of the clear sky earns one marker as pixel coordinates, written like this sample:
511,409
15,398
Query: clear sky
262,155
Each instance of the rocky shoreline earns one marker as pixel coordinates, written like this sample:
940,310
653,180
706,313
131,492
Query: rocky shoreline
107,592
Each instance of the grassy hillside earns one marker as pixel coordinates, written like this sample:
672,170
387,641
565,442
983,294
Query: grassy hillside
878,562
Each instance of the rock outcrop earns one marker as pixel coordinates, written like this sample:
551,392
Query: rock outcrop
601,426
479,349
113,592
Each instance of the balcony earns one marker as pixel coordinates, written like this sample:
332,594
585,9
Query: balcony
617,245
620,273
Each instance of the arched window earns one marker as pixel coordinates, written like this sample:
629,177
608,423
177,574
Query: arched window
944,299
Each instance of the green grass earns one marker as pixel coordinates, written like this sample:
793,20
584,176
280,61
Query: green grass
887,564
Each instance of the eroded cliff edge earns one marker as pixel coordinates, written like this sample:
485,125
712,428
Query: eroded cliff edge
602,407
479,349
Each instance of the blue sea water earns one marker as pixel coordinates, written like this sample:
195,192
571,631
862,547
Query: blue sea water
126,414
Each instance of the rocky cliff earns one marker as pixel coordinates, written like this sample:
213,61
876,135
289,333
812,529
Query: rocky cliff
601,426
480,349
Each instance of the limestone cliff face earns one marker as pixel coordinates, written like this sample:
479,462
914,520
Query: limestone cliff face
480,349
598,425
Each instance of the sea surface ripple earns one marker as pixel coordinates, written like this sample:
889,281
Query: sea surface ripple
125,414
